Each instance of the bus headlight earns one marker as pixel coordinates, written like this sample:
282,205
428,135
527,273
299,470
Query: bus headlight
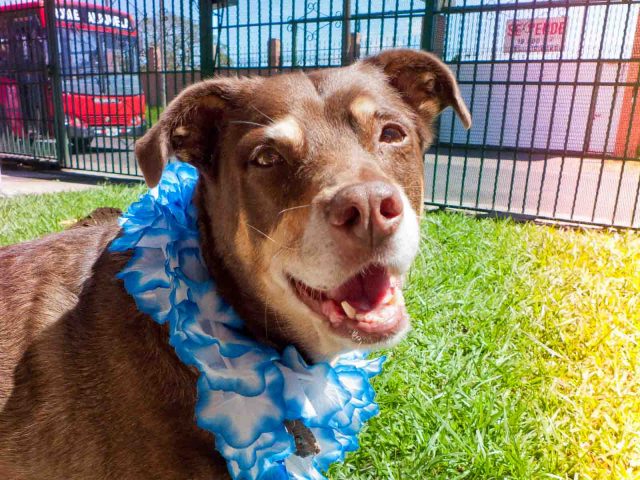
136,120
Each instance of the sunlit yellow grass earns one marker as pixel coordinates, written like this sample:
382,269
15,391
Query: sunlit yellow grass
588,284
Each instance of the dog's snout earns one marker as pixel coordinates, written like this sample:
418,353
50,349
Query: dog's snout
367,212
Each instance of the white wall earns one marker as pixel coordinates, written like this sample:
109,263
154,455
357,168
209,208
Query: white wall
512,103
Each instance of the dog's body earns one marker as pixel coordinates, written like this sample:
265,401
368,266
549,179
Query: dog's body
78,397
315,209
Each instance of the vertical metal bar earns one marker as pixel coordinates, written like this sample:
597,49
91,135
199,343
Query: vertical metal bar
259,62
520,111
249,46
553,110
458,63
427,40
117,41
471,103
206,38
317,53
282,43
571,109
426,35
488,112
238,34
228,28
382,24
616,90
157,60
163,55
410,26
395,24
535,116
367,51
294,44
592,106
346,31
270,34
596,86
329,49
553,106
625,160
56,83
304,32
192,39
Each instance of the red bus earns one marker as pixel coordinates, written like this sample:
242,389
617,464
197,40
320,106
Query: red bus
99,61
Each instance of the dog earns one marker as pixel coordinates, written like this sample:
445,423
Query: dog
309,199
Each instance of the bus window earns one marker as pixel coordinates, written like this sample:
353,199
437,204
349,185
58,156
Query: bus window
111,58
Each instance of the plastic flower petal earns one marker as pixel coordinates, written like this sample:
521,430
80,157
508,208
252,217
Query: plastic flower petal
246,390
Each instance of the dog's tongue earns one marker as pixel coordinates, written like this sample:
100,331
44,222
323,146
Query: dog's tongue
364,291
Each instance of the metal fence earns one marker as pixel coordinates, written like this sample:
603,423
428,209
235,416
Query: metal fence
552,85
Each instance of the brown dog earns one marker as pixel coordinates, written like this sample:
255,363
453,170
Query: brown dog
309,195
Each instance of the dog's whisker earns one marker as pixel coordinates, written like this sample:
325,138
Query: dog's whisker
293,208
246,122
264,235
262,113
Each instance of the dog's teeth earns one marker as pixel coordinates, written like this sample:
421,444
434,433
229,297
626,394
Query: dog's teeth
348,309
389,296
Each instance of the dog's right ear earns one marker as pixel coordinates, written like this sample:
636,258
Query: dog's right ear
190,127
424,82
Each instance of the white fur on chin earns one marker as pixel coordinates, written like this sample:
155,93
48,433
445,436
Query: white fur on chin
321,265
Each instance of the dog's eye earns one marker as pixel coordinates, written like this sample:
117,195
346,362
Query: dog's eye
392,134
266,157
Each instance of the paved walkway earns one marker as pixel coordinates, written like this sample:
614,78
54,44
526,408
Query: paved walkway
589,189
17,180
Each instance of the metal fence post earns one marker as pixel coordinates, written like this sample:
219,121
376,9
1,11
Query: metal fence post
162,57
346,31
207,64
294,44
53,68
426,35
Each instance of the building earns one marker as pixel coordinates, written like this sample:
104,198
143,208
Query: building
559,79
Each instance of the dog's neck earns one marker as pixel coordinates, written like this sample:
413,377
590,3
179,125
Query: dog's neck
251,309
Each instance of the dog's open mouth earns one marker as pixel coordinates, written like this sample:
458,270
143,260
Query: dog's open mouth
369,305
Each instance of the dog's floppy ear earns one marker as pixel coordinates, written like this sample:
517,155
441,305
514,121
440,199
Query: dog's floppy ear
424,82
189,127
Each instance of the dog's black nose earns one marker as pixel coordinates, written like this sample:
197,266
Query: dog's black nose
368,212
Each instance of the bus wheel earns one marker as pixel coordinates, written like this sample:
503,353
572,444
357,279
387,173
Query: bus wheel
81,144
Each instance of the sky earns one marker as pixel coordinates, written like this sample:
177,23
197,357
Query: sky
244,29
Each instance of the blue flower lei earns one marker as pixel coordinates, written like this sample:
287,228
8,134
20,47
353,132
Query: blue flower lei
246,390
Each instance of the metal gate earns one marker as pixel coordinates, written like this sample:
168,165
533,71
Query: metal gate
552,85
26,118
553,89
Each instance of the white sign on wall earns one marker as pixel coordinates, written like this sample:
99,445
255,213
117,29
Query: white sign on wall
91,17
534,35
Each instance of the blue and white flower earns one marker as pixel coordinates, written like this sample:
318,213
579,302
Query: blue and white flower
246,390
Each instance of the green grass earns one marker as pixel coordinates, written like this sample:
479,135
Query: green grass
524,359
31,216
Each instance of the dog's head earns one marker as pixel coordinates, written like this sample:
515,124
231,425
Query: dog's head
312,185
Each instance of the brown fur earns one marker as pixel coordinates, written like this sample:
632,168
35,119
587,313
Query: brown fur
99,216
89,387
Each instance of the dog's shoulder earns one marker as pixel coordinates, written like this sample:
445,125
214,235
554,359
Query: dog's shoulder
56,262
41,280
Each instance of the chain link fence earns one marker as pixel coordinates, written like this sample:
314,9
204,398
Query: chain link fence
552,86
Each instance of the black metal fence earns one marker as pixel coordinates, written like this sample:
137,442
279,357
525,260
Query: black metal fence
552,85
